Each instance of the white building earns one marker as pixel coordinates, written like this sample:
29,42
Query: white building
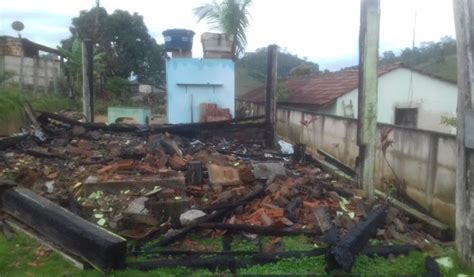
406,96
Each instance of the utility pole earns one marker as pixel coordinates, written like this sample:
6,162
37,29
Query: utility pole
367,111
88,79
270,99
464,22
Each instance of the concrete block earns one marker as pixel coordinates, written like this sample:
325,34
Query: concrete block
264,171
223,175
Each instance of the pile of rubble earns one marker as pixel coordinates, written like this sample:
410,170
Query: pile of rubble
156,186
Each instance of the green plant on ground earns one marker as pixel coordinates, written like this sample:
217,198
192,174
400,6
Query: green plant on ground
19,258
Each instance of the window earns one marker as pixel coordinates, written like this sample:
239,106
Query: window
406,117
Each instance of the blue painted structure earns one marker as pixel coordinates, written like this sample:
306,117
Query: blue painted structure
190,82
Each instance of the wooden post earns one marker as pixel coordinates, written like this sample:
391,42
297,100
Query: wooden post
464,20
367,117
194,173
270,99
299,153
88,80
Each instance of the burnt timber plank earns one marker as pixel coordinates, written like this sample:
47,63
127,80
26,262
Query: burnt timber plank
101,248
259,190
342,255
259,230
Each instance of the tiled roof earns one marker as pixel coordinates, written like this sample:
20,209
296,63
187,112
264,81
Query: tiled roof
319,89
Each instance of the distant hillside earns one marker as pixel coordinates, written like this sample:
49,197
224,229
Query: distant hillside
445,68
251,69
244,82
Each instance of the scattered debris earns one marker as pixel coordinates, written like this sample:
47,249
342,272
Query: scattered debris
190,216
156,184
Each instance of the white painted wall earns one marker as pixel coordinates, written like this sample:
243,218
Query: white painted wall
433,97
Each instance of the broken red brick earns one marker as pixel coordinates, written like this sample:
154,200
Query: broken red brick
176,162
310,204
106,168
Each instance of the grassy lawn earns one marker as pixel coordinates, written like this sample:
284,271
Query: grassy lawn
21,256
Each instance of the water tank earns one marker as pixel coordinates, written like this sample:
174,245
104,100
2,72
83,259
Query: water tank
178,40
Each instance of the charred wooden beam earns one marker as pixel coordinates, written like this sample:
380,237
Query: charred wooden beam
343,253
98,246
328,186
370,251
259,191
337,163
431,267
45,117
299,154
290,208
388,250
225,261
194,173
11,141
158,253
259,230
41,154
215,215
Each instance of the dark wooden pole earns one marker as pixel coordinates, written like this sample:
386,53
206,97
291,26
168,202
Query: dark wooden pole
270,99
367,112
88,79
464,20
194,173
299,153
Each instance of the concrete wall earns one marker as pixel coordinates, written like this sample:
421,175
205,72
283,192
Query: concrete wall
424,160
404,88
43,74
198,81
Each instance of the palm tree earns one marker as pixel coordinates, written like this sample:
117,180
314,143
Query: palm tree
231,17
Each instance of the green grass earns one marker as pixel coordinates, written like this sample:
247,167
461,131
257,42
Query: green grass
17,253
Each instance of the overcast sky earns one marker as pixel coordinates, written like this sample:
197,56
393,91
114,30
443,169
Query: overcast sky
324,31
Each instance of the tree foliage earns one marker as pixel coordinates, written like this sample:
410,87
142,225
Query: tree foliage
428,51
125,42
255,64
230,17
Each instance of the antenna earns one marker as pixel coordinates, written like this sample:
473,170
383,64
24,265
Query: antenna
410,85
414,32
18,26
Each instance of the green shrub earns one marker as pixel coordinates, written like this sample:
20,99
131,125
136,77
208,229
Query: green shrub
118,87
12,115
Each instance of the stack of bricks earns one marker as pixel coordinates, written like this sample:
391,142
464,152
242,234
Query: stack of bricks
209,112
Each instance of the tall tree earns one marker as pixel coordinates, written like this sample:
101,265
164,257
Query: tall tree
231,17
126,42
